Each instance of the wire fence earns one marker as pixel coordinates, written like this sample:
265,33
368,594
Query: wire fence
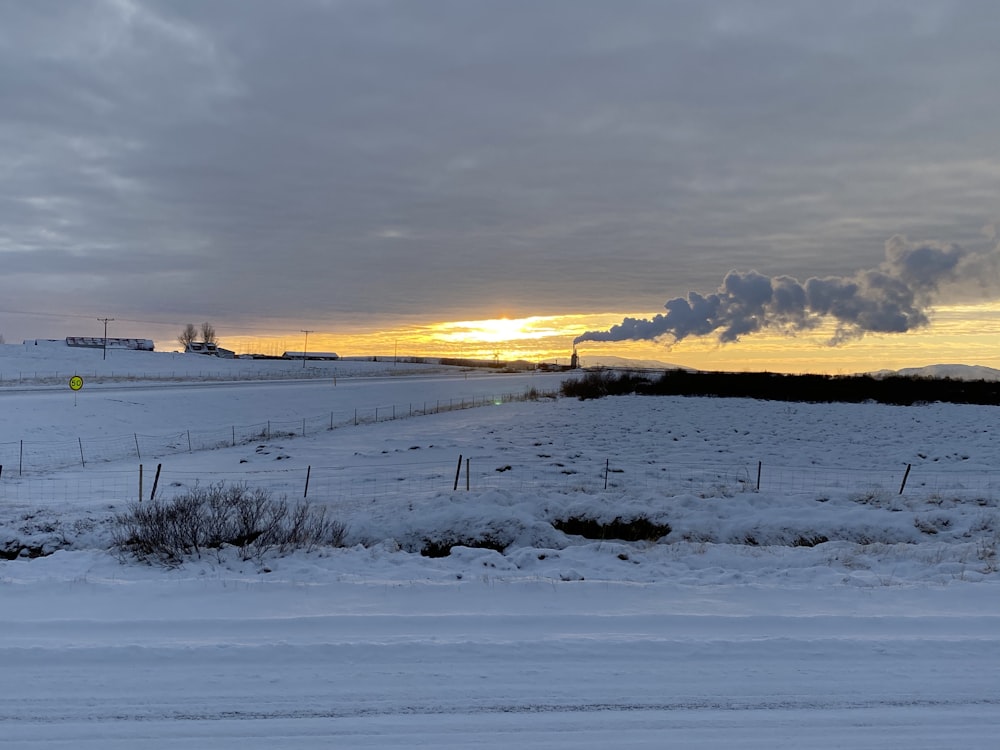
357,489
624,473
32,456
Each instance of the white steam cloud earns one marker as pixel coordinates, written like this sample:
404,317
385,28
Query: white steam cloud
892,298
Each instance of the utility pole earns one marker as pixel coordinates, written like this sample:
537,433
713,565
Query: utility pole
105,321
305,349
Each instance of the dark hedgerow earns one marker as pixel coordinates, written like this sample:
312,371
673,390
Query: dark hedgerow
895,389
602,383
212,517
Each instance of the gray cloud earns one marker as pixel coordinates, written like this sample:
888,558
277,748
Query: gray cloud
893,298
329,161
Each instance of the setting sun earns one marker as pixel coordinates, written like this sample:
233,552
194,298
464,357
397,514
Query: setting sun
494,331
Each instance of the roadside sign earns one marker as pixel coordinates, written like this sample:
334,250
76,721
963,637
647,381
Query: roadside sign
76,382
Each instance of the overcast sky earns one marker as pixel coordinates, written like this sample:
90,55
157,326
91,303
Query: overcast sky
316,163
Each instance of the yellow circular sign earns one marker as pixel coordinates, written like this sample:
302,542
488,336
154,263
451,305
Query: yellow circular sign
76,382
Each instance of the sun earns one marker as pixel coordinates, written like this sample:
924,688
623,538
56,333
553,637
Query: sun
494,330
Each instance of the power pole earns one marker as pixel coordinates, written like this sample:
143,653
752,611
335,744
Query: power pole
105,321
305,349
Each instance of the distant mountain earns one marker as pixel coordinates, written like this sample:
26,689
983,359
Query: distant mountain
604,360
955,372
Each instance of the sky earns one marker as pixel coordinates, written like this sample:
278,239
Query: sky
739,185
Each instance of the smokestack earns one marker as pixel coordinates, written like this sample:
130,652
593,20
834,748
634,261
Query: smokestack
892,298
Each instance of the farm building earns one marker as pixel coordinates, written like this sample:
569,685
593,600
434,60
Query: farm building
209,349
328,356
99,342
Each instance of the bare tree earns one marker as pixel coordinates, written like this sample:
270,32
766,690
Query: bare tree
188,336
208,333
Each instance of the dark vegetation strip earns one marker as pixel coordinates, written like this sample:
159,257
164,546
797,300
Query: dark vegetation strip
894,389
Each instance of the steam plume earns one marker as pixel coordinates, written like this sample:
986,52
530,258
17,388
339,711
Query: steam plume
892,298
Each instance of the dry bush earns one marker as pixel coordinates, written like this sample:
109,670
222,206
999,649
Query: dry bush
217,516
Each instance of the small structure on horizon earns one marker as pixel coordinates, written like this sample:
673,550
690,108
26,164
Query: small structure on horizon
99,342
208,348
574,364
325,356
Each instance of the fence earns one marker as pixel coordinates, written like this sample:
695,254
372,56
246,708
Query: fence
624,474
355,489
26,456
40,377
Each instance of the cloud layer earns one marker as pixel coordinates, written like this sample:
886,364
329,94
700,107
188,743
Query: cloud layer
320,162
892,298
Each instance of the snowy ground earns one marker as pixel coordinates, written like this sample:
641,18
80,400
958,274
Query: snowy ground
727,632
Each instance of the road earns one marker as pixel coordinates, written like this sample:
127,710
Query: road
148,409
251,664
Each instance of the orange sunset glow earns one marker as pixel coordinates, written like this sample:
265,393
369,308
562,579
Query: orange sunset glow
965,333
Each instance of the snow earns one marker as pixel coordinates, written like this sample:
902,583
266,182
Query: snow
956,372
953,371
724,632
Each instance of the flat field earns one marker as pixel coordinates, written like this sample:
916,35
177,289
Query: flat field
789,595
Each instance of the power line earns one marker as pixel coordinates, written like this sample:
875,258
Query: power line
305,349
105,321
37,313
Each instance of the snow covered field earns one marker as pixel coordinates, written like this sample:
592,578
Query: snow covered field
731,631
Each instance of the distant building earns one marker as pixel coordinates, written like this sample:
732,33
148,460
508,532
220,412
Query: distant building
99,342
328,356
574,364
209,349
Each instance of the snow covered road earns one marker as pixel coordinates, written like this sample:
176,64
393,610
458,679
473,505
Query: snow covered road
248,663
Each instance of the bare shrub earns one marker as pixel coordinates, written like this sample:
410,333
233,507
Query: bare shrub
213,517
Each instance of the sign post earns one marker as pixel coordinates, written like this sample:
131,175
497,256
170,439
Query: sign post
75,384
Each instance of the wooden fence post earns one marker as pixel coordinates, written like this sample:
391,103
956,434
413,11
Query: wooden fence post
467,475
156,481
82,462
137,453
308,472
759,464
905,475
458,472
140,483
